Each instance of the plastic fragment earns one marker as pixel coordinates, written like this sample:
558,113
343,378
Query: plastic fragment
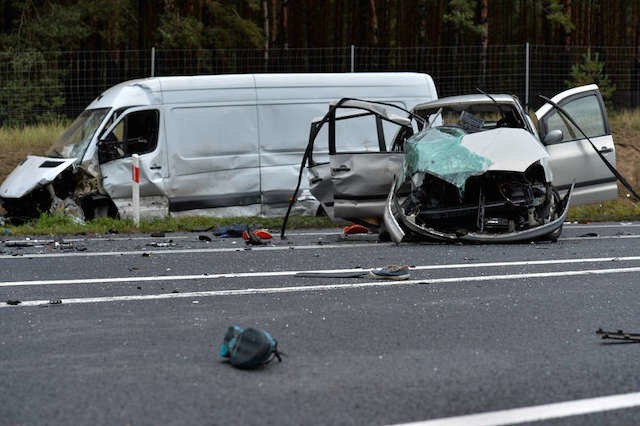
355,229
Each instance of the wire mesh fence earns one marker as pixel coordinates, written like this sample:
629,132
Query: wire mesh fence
36,86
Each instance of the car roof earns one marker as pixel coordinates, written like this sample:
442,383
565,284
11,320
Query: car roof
467,100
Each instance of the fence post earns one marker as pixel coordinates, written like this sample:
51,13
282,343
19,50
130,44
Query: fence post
135,188
353,59
526,77
153,62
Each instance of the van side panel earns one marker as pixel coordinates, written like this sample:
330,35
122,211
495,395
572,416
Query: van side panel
213,153
284,133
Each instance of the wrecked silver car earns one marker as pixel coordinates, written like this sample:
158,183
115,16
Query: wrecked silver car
466,168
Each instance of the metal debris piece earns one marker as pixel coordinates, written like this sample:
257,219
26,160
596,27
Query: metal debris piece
170,243
618,335
588,234
331,274
19,243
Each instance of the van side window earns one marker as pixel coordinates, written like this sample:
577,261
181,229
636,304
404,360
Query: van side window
136,133
586,111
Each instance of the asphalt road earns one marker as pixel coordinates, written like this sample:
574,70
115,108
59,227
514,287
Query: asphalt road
125,329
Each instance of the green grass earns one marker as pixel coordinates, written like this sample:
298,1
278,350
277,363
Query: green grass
65,225
622,209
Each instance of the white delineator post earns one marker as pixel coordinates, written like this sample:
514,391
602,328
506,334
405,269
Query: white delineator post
135,189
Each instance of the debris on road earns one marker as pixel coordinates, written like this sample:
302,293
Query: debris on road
618,335
249,348
330,274
169,243
588,234
256,237
25,243
204,238
13,302
231,231
355,229
391,272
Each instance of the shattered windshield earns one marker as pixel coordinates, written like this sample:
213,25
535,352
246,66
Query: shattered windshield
441,153
76,138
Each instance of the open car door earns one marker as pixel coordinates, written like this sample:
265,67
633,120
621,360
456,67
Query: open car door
364,143
572,158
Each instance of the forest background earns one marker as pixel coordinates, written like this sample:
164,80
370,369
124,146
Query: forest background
57,55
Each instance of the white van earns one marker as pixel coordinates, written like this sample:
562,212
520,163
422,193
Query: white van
222,144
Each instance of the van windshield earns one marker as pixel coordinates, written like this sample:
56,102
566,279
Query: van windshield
76,138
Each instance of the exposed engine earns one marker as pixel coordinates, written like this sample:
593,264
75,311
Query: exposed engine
494,202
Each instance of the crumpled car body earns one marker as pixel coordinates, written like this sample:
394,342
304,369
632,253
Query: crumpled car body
469,168
461,186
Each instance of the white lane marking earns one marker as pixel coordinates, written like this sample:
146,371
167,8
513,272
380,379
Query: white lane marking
291,273
297,289
196,250
538,412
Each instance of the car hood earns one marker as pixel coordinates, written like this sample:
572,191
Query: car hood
34,172
454,155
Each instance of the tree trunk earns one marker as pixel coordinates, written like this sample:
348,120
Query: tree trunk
484,39
373,24
265,7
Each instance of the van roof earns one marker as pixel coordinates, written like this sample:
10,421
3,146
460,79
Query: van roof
155,90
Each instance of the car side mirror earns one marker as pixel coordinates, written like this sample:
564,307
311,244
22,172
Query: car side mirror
554,136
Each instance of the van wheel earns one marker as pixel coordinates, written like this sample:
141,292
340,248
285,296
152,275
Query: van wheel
98,205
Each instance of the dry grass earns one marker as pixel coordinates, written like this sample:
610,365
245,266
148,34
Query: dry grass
16,143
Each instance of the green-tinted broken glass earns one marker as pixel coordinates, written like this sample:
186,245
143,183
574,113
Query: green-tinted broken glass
439,151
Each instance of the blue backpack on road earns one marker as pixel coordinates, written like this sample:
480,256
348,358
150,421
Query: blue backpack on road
249,347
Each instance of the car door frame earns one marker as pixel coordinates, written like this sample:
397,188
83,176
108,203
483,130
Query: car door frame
575,160
354,185
116,173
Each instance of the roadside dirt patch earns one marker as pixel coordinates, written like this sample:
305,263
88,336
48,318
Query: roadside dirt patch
627,143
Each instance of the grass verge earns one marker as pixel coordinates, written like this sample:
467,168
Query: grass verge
621,209
64,225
